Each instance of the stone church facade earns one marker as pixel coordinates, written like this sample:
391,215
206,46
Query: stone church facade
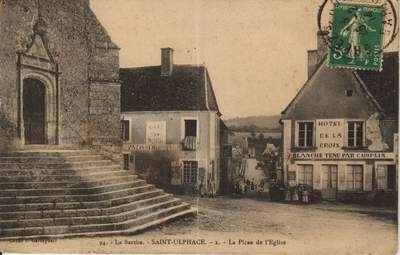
60,173
59,74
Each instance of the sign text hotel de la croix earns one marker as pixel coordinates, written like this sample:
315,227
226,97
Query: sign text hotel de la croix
329,141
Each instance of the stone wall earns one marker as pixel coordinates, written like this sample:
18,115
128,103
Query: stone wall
85,55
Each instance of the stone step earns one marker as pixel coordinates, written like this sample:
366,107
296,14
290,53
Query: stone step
85,212
128,231
89,220
75,198
60,206
50,159
156,216
64,178
72,165
49,192
70,191
61,171
88,183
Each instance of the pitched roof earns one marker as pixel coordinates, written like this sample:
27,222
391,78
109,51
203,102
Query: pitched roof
381,87
384,85
189,88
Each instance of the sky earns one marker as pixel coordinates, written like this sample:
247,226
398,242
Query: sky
255,50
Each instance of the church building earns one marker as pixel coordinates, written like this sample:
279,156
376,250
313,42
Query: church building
60,144
60,75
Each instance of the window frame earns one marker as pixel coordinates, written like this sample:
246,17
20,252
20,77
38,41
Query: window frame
125,131
303,167
190,174
346,137
348,168
329,181
385,164
297,134
183,135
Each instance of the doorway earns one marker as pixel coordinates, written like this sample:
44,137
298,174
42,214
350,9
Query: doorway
391,177
329,181
34,111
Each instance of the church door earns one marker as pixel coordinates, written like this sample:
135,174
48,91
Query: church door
34,111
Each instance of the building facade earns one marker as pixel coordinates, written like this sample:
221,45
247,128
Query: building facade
171,125
340,131
60,75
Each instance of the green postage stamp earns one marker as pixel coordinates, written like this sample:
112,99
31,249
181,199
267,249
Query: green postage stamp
357,36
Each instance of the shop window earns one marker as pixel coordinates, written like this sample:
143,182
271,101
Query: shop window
190,169
125,130
305,174
305,134
355,134
354,178
190,135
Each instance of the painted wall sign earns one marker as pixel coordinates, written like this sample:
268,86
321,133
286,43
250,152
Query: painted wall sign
329,134
156,132
152,147
342,155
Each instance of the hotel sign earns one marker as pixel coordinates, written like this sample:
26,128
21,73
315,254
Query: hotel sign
329,134
151,147
342,155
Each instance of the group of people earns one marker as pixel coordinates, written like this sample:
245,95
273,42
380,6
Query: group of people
246,185
211,190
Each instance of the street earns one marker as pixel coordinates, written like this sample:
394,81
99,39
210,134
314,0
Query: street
235,225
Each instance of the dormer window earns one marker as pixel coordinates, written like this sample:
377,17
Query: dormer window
348,92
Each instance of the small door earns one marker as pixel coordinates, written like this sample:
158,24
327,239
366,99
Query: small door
34,111
126,161
329,181
391,177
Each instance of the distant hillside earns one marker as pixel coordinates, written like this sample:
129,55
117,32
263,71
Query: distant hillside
254,123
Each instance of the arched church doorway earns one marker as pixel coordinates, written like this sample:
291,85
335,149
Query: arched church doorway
34,111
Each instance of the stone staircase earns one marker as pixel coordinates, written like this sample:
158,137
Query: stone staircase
62,193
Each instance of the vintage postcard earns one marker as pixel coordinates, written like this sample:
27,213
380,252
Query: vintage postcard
199,126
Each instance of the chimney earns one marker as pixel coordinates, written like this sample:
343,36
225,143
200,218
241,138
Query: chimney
167,61
316,56
322,46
